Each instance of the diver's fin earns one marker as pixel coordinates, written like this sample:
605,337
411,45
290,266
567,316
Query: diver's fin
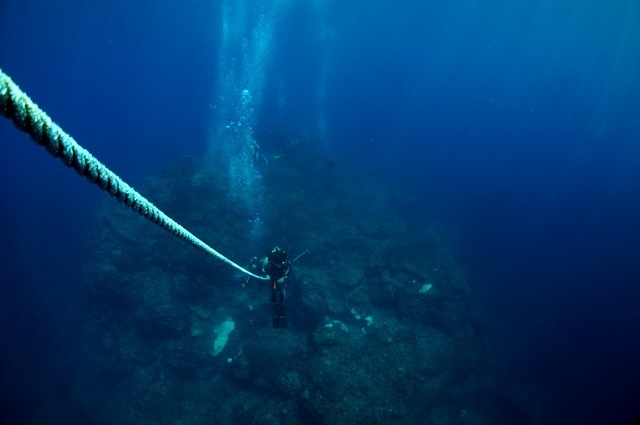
279,316
283,320
276,315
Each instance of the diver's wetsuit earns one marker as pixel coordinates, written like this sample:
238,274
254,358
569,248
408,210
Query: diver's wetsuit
277,300
277,266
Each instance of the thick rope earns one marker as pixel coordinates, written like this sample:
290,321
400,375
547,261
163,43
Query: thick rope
28,117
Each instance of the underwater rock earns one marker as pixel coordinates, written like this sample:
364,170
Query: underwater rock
364,345
335,305
222,332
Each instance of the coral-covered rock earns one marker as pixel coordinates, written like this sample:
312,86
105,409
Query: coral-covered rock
379,324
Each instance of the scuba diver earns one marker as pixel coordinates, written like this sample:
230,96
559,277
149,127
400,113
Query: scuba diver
278,267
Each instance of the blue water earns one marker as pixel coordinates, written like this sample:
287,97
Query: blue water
515,124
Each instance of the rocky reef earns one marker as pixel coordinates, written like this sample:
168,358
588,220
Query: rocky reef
380,329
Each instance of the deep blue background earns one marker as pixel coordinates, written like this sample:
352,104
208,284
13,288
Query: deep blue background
514,123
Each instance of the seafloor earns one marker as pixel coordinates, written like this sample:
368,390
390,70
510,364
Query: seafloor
380,324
